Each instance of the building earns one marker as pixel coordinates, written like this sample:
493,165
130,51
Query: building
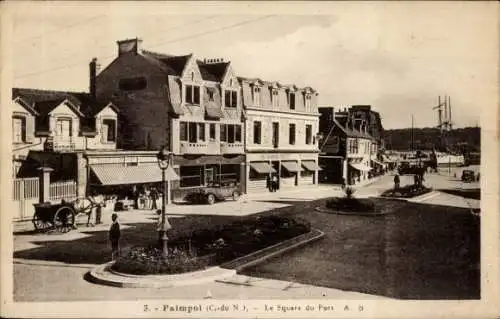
348,151
281,125
192,106
56,128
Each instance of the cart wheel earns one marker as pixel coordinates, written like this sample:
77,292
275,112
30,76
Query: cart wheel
41,224
210,199
236,195
64,219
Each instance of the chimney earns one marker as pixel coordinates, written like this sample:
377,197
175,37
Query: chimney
129,46
93,70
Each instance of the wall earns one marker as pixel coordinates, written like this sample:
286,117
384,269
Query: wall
143,118
64,111
31,142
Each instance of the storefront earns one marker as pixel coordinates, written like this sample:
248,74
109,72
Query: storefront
357,171
291,169
196,172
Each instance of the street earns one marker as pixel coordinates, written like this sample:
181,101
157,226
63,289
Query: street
40,275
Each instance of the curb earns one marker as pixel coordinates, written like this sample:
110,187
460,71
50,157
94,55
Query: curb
105,276
321,210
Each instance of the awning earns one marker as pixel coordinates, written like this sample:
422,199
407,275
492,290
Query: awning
123,175
311,166
291,166
361,167
262,167
378,163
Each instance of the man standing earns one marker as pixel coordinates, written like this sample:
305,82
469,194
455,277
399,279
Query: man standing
396,181
114,236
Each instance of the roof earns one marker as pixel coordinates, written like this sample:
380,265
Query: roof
46,106
350,132
171,64
213,71
292,87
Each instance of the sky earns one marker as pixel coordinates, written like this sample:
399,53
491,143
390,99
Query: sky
396,56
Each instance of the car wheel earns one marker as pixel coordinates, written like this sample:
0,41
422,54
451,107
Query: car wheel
210,199
236,195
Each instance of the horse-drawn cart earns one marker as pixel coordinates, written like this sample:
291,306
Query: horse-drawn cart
61,217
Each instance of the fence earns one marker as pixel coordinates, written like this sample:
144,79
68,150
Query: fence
26,192
62,190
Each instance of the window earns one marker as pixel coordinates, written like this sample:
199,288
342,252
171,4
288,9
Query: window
109,130
308,134
307,101
133,84
184,131
257,127
256,95
201,131
291,100
230,98
63,127
19,129
274,97
210,95
191,176
192,132
212,131
230,133
291,134
276,134
192,94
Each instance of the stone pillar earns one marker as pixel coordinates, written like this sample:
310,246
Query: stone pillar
81,175
297,177
316,173
44,180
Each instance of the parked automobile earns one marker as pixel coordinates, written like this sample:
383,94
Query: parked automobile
468,176
215,192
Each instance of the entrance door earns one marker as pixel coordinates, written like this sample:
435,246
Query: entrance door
209,176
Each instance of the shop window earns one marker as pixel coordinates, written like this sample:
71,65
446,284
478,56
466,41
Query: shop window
191,176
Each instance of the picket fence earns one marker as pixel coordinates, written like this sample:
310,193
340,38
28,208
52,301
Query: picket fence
26,192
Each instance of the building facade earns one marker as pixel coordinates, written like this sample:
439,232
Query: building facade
348,151
192,106
281,125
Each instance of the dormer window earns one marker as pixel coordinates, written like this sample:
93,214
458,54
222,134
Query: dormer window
291,100
108,131
210,94
19,129
274,97
256,95
192,95
307,100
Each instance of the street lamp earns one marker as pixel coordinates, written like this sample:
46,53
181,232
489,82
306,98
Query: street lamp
164,158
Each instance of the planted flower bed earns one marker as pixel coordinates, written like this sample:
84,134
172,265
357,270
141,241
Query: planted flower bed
213,246
363,205
407,191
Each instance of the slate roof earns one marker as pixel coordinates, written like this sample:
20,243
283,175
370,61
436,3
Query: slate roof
171,64
342,124
213,71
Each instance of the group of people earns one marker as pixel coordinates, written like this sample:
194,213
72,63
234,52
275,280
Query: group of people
273,182
145,197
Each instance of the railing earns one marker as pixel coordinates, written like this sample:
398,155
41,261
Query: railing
62,190
231,148
26,188
193,148
68,144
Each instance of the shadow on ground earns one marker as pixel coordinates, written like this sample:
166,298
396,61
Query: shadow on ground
474,193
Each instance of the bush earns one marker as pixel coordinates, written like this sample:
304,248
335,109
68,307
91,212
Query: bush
150,260
350,204
349,192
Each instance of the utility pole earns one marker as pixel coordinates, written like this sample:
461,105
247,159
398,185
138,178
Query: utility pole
412,132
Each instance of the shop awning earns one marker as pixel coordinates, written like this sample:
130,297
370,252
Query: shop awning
291,166
262,167
311,166
123,175
378,163
361,167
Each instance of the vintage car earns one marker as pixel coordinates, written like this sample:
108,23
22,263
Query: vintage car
215,192
468,176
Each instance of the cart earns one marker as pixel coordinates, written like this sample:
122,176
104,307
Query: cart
61,217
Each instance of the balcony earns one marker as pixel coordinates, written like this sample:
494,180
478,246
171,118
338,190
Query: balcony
69,144
232,148
200,147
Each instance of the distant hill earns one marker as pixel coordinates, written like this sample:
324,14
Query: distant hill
457,140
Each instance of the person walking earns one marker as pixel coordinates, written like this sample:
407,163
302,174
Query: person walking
114,236
396,181
275,182
154,198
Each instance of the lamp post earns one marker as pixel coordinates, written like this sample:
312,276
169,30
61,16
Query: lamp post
164,157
